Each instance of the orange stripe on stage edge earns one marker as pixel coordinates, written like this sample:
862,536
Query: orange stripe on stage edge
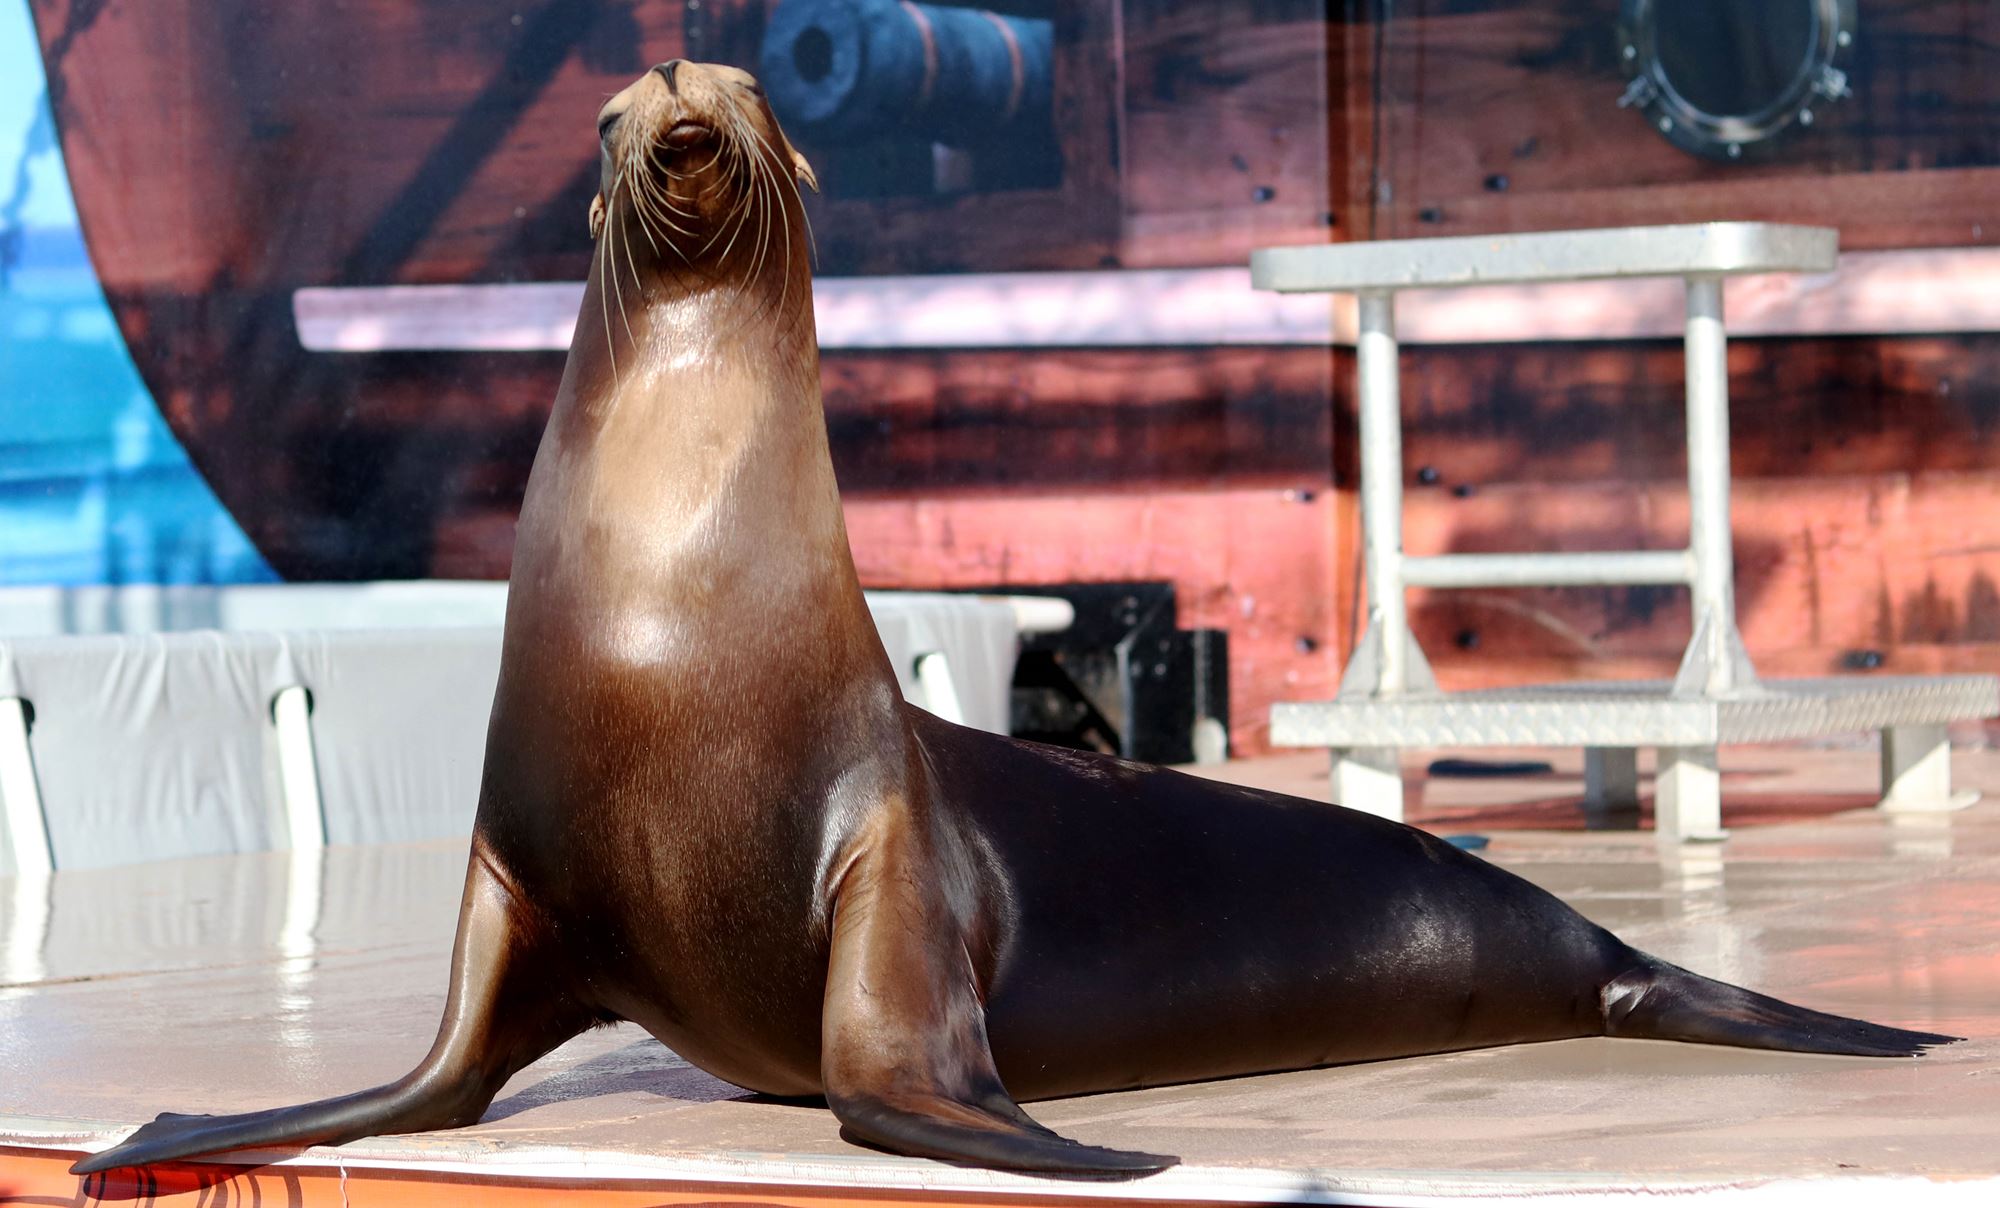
41,1177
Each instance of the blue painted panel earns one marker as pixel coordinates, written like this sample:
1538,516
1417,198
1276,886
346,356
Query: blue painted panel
93,486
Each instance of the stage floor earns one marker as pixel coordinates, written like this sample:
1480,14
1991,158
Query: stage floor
194,986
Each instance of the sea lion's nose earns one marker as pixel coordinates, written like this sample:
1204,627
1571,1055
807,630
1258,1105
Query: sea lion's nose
666,71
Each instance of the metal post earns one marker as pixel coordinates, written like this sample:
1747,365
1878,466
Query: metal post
298,769
20,795
25,940
936,687
1687,795
1610,783
1708,478
1369,779
1382,485
1609,567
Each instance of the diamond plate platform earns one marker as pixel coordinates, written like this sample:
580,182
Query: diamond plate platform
1611,721
1638,713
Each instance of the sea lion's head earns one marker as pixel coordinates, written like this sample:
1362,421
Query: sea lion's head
696,174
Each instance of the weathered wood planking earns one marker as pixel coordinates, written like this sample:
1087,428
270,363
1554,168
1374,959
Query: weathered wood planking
1569,447
1832,574
1799,407
439,141
222,162
1947,207
1501,115
1229,120
1125,420
1475,415
424,142
1866,531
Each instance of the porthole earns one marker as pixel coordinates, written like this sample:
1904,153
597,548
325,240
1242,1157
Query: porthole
1721,78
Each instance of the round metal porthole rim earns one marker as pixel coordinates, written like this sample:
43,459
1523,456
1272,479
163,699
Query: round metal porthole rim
1731,136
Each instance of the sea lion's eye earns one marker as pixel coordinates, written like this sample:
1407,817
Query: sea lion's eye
605,123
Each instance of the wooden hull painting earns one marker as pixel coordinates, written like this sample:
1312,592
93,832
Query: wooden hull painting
225,155
1503,115
1866,512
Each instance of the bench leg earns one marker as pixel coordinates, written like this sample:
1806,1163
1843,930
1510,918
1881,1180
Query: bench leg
1369,779
1687,796
1610,785
1916,771
24,937
21,814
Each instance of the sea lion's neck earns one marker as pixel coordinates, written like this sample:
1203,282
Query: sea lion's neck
695,475
716,416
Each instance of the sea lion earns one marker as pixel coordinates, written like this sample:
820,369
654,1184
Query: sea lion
706,808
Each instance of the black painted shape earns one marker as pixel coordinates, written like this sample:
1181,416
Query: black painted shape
1124,678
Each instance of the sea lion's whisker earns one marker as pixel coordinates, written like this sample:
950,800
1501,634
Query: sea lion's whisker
646,195
751,163
785,206
639,211
603,257
783,217
657,211
624,315
772,201
657,202
660,203
739,213
731,177
763,219
638,287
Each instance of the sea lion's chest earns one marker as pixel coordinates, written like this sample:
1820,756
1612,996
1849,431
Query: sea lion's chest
674,828
676,714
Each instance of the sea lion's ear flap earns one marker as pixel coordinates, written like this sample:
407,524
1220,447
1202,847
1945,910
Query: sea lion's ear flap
804,170
596,215
800,168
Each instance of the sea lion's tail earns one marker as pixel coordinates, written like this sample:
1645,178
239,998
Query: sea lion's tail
1653,1000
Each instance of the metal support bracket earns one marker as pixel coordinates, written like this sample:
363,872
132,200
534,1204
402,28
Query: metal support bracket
1370,779
1916,771
1715,663
1363,678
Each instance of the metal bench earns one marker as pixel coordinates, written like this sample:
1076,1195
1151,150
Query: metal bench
1389,700
289,729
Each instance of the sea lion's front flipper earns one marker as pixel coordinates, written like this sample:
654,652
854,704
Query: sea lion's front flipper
503,1011
904,1056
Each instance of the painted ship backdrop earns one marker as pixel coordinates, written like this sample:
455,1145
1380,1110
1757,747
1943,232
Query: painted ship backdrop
227,155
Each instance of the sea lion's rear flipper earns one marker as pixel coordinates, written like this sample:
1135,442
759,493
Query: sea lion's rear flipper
1657,1001
503,1011
904,1056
